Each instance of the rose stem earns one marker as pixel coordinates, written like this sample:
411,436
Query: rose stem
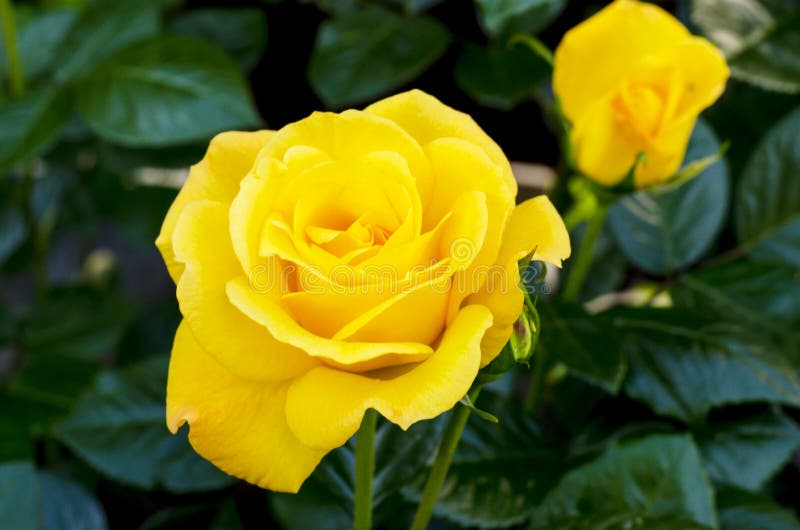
580,268
444,456
17,82
365,467
533,399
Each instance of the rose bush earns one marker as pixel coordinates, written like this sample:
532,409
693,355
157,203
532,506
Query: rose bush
632,80
348,261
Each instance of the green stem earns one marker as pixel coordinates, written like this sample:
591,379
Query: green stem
12,51
580,267
365,468
535,392
441,464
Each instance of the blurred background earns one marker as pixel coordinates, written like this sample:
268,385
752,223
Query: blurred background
105,104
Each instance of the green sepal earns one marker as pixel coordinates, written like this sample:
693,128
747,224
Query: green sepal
482,414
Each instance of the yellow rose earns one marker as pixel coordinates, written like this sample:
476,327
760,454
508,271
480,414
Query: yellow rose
631,79
348,261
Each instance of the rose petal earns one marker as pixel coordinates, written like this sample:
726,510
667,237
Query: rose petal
201,243
351,135
534,224
324,407
239,425
427,119
353,355
216,177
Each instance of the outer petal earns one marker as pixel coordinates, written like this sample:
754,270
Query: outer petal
324,407
216,177
238,425
426,119
461,165
492,344
604,151
706,71
534,226
351,135
358,356
595,55
662,164
202,243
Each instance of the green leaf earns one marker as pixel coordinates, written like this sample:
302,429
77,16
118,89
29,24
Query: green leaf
733,113
633,485
311,507
500,77
30,125
502,18
335,7
746,452
739,510
41,35
683,365
765,297
783,246
20,494
242,32
15,443
103,29
166,91
400,458
499,470
68,506
666,229
118,427
366,54
41,392
760,38
414,6
588,345
46,389
32,500
613,521
573,404
13,231
75,322
606,426
768,196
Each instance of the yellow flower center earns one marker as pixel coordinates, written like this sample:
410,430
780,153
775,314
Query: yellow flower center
351,241
642,107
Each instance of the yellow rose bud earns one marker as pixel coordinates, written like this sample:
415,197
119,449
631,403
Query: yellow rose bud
348,261
632,80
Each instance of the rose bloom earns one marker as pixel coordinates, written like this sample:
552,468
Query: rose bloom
631,79
348,261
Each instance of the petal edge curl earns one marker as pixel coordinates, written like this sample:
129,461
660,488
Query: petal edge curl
216,177
325,406
238,425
